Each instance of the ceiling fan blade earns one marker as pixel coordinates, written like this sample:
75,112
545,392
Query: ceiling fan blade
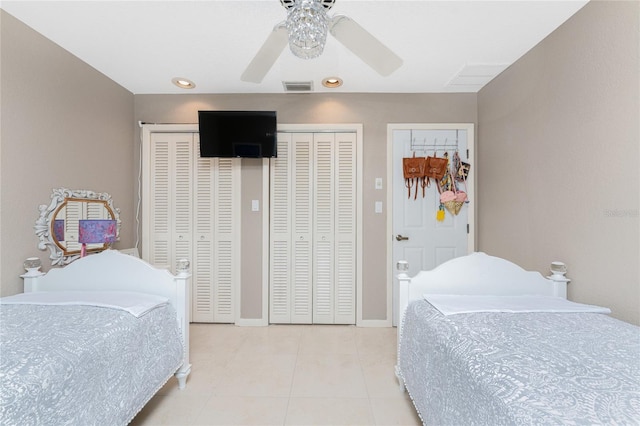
267,55
364,45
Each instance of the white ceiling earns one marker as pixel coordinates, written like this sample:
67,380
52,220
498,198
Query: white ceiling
142,45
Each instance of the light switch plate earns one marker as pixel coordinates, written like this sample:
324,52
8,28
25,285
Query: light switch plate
378,183
255,205
378,206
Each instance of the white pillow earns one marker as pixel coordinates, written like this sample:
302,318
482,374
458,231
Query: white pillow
137,304
450,304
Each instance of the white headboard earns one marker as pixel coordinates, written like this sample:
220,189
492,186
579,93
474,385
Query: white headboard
481,274
477,274
109,270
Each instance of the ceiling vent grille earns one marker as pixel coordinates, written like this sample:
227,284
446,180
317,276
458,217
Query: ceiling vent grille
475,76
298,86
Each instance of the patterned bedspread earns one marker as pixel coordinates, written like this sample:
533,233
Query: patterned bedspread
524,368
82,365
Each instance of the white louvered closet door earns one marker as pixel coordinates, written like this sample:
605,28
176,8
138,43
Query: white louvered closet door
214,267
313,217
170,191
280,233
202,268
227,250
345,229
324,229
334,228
73,213
192,214
291,286
302,227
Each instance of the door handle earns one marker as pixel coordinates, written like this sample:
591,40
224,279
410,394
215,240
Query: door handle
400,238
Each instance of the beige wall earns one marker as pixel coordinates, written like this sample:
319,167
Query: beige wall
374,111
558,157
63,125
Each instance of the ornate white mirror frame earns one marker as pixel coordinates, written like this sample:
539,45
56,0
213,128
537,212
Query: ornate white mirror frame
62,217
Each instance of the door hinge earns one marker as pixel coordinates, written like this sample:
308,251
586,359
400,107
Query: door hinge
467,228
467,154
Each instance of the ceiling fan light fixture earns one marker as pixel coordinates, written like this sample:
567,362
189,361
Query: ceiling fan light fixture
183,83
307,25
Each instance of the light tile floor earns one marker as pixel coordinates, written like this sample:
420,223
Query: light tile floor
286,375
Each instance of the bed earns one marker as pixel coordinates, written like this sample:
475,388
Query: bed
92,342
484,342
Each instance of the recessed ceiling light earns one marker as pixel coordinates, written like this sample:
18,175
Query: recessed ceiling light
183,83
332,82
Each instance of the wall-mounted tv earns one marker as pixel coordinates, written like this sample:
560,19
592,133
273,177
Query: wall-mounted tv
249,134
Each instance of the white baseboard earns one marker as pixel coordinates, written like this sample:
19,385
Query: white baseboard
374,323
258,322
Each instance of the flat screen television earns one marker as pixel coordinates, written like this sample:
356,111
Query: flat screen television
249,134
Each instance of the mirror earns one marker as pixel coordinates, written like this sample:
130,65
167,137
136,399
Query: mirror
75,221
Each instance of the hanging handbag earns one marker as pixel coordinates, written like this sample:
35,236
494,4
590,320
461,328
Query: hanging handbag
443,185
461,168
453,199
436,167
445,182
413,169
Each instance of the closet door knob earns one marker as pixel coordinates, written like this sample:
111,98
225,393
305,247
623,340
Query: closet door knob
401,238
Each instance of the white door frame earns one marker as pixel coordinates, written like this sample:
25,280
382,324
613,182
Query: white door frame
471,241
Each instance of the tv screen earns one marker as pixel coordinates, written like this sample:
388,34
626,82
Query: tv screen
250,134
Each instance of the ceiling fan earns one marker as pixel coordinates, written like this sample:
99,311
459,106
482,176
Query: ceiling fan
305,30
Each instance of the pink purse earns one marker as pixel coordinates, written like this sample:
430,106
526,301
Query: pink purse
461,196
447,196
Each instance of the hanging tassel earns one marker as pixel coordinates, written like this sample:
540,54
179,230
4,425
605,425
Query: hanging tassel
440,213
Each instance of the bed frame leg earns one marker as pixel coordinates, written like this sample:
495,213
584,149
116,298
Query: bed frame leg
403,301
183,283
182,375
400,381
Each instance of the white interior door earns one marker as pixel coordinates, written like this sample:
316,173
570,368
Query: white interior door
418,237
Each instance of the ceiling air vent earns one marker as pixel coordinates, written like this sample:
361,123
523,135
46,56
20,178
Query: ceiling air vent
298,86
473,77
